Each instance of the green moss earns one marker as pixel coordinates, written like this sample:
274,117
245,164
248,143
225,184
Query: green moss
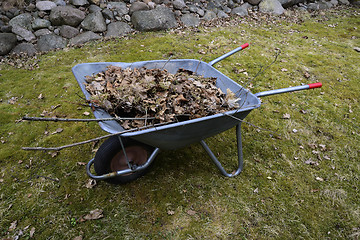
184,196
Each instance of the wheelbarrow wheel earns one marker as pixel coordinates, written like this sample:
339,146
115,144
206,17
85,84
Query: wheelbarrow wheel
111,158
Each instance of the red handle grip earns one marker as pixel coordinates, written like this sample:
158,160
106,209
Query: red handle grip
315,85
244,45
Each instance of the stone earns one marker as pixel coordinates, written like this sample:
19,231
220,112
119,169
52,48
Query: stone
23,33
119,7
253,2
67,31
318,6
94,8
160,18
42,32
290,3
60,3
40,23
138,6
179,4
118,29
190,20
344,2
222,14
151,5
241,11
79,3
66,15
45,5
84,37
271,6
23,20
7,42
94,22
27,48
209,15
107,14
96,2
50,42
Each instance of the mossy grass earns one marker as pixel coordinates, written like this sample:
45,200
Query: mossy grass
300,178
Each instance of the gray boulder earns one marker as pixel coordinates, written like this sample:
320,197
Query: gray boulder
241,10
7,42
138,6
51,42
45,5
23,33
221,14
107,14
160,18
271,6
40,23
190,20
179,4
84,37
94,22
67,31
120,8
23,20
94,8
209,15
289,3
66,15
253,2
321,5
79,3
118,29
26,48
42,32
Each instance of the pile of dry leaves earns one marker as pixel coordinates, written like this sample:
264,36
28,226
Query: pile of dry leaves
157,95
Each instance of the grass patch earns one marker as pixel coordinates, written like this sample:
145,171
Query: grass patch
300,179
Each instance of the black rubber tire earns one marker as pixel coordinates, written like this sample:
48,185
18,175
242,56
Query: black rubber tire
112,148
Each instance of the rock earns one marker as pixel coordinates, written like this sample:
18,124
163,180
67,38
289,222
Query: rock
26,48
67,31
40,23
94,22
107,14
160,18
60,3
209,15
118,29
23,20
5,29
190,20
138,6
66,15
271,6
45,5
7,42
318,6
23,33
179,4
50,42
79,3
96,2
119,7
84,37
151,5
241,10
344,2
222,14
253,2
42,32
94,8
290,3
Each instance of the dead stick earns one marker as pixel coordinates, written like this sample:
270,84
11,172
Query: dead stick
90,140
80,120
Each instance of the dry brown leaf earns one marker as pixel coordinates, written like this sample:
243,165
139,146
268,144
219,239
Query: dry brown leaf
94,214
170,212
191,212
90,183
32,232
286,116
13,226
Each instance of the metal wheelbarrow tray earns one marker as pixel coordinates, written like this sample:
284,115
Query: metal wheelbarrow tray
179,134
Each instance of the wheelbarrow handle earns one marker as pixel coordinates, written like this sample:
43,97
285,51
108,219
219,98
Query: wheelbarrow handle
228,54
289,89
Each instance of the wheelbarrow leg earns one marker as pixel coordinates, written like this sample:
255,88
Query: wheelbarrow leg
240,155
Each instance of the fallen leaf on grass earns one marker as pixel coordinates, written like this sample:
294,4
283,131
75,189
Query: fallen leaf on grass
286,116
357,49
319,179
81,163
41,96
191,212
58,130
311,162
90,183
13,225
94,215
1,180
78,238
32,232
86,113
170,212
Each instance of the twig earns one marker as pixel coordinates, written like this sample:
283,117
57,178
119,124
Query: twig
81,120
90,140
166,62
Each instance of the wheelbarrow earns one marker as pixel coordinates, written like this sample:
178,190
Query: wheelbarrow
126,156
